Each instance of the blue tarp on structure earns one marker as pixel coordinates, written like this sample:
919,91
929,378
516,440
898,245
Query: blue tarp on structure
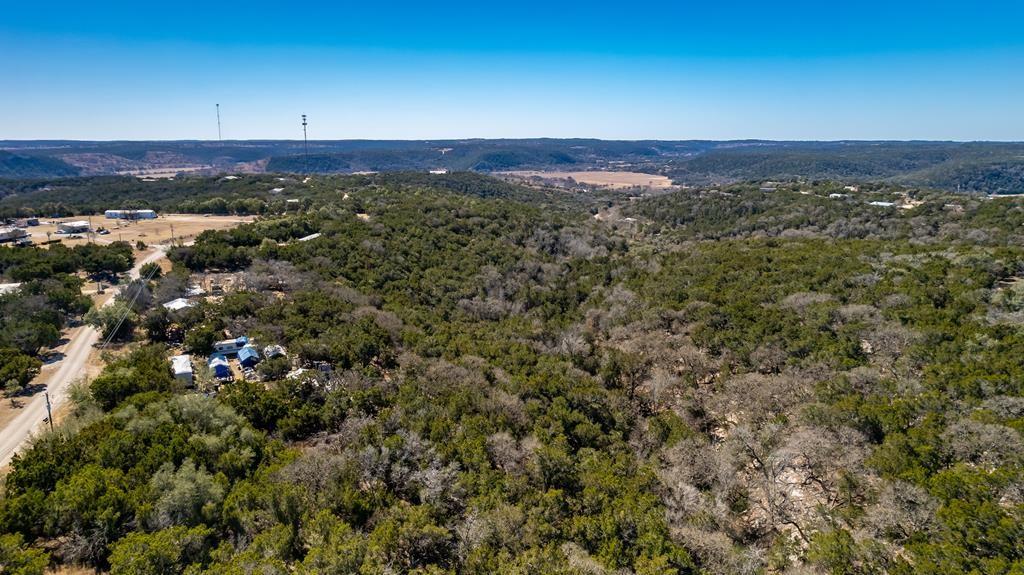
219,365
248,356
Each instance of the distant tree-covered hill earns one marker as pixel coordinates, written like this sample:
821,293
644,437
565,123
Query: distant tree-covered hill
245,195
983,167
18,166
988,167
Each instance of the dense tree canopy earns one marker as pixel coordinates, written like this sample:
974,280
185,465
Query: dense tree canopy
728,381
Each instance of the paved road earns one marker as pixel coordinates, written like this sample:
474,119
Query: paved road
76,353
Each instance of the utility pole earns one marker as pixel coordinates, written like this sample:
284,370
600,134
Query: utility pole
218,122
49,413
305,143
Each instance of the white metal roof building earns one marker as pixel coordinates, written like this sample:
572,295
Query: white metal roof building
75,227
182,367
130,214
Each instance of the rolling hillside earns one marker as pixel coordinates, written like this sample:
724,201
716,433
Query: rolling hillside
19,166
987,167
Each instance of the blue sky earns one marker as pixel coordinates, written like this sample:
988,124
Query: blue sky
679,70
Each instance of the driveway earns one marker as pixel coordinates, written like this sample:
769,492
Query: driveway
70,368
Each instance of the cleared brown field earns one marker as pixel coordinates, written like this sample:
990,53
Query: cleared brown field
185,228
614,180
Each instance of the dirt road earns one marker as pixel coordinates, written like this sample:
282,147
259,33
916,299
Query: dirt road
76,353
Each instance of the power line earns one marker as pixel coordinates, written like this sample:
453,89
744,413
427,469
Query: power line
128,308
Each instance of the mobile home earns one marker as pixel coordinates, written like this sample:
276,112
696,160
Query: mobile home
231,346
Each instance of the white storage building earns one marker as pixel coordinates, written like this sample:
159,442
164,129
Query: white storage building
182,366
75,227
130,214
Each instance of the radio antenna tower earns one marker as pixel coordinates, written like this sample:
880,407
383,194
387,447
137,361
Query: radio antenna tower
305,144
218,122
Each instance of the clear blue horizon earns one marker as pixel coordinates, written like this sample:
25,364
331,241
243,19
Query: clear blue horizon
743,70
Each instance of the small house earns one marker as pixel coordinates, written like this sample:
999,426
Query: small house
182,367
230,346
219,366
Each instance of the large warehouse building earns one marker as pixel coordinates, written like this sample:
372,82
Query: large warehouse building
76,227
130,214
